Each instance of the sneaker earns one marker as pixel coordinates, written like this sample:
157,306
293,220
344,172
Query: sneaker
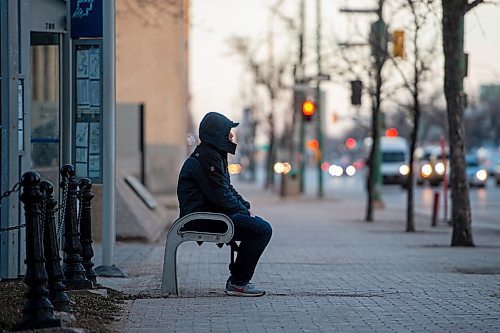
246,290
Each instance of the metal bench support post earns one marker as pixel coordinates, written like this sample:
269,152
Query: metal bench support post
177,235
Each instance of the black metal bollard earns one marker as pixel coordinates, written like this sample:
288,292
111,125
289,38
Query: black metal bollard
86,229
74,273
435,209
57,296
38,311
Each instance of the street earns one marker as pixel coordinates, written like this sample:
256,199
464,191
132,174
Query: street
484,201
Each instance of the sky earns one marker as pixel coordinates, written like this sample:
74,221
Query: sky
217,76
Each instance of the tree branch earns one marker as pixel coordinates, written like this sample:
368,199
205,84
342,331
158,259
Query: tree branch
475,3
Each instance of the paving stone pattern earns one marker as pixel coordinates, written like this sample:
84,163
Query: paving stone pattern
325,270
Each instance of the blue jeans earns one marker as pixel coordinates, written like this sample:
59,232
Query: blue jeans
254,234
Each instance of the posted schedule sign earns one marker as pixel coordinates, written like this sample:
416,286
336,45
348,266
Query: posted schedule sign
88,110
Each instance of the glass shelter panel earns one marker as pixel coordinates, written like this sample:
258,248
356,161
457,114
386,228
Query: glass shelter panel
45,105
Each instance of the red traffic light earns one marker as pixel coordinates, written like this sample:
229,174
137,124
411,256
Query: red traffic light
350,143
313,144
308,108
391,132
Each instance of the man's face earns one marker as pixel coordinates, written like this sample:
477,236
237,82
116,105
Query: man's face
231,136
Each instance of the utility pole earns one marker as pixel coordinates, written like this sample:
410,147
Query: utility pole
318,99
379,45
300,75
269,183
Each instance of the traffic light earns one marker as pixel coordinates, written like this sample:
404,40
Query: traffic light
398,47
335,117
378,40
391,132
356,90
313,144
350,143
308,109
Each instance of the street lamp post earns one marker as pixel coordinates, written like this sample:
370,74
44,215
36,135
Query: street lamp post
108,267
319,132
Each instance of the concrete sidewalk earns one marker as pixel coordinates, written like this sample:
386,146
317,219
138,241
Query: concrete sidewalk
325,270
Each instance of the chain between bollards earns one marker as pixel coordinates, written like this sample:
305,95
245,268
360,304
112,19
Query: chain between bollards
62,211
14,189
13,228
6,194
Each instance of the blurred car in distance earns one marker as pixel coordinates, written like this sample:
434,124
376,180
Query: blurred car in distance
394,166
477,174
496,175
430,167
490,157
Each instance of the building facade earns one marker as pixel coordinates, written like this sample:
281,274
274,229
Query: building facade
152,69
40,96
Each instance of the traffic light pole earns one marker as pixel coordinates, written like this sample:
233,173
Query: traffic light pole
378,117
378,46
300,75
302,152
319,110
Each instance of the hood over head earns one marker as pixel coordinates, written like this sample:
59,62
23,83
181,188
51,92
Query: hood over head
214,130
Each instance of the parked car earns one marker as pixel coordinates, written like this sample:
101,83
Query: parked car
477,174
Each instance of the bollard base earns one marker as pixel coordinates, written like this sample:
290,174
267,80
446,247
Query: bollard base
33,324
109,271
78,284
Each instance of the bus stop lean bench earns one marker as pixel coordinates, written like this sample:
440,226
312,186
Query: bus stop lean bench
199,227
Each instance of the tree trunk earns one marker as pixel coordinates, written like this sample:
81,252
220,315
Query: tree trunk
410,222
371,173
270,153
453,20
373,195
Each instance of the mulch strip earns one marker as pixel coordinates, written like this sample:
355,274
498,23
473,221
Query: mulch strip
92,311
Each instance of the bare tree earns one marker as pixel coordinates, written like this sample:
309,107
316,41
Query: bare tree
454,66
354,66
420,60
272,78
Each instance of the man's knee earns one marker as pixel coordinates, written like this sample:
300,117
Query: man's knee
266,228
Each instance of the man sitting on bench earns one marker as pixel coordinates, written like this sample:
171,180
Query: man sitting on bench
204,186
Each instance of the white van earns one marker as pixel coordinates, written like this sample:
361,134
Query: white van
394,159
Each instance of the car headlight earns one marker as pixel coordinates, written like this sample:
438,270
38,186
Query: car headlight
279,167
350,170
335,170
234,169
482,175
426,170
404,170
439,168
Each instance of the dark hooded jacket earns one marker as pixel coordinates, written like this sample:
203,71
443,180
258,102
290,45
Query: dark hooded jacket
204,184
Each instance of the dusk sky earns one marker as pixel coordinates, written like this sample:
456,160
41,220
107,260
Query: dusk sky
216,75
